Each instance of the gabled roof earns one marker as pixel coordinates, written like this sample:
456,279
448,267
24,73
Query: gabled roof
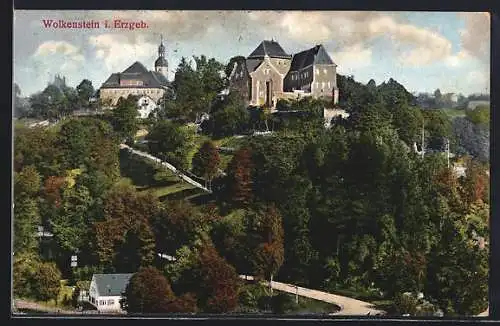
135,68
111,284
253,64
270,48
315,55
149,78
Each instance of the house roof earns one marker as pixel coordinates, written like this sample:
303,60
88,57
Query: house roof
270,48
315,55
111,284
137,71
253,64
135,68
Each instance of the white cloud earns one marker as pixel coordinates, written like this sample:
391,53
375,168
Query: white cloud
50,48
479,81
475,37
117,51
352,57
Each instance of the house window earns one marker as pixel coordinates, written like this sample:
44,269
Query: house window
111,302
317,71
324,71
322,84
328,84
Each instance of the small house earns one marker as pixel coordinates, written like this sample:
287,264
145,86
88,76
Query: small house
105,291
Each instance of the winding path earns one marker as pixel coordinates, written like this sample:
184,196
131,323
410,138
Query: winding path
348,306
167,165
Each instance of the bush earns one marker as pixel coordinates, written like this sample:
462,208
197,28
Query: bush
405,304
46,282
24,268
281,303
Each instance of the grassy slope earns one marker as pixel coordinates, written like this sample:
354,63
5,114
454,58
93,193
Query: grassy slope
454,113
141,173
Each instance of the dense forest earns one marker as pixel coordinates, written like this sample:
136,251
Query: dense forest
349,209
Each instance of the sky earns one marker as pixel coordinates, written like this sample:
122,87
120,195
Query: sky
421,50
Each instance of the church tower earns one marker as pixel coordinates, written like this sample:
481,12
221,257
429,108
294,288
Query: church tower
161,64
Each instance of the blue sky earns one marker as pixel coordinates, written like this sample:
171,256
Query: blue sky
421,50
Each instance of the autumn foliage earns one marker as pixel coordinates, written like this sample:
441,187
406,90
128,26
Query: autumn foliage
240,177
218,282
148,292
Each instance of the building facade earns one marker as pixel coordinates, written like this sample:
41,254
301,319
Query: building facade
269,74
105,291
137,80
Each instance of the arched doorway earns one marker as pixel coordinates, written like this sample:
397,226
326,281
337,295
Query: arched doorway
269,93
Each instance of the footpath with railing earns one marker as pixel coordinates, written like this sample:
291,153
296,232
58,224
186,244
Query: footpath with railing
169,166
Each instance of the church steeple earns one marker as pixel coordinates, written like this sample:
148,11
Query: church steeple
161,64
161,48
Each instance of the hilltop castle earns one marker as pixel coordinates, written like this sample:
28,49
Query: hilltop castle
137,80
269,74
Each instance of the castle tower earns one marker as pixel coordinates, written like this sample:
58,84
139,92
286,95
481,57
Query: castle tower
161,64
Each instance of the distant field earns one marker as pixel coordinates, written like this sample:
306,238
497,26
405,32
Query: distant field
454,113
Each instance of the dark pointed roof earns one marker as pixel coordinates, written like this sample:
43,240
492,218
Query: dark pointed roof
135,68
161,62
270,48
137,71
316,55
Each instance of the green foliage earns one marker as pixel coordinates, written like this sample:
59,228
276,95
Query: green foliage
26,220
172,143
25,265
206,161
195,89
405,304
46,282
71,224
230,119
124,117
85,90
479,116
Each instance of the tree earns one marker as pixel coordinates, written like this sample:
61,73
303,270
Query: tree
172,143
37,147
214,281
231,119
85,91
189,93
24,267
269,254
124,117
240,177
46,282
206,161
26,220
458,271
71,224
230,66
148,291
178,224
124,239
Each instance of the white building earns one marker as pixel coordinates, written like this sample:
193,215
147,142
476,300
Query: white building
105,291
145,105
